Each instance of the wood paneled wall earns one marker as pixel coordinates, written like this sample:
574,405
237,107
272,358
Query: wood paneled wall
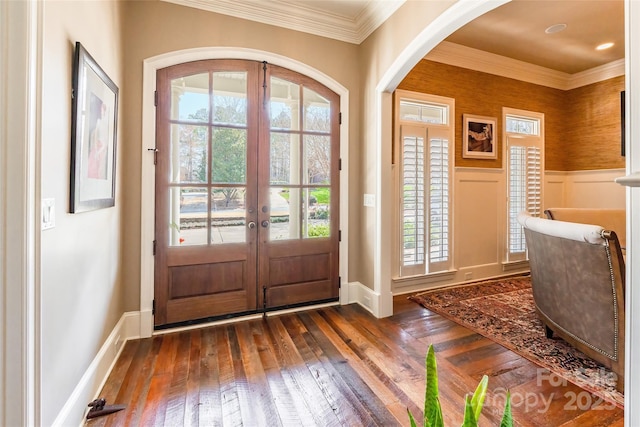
587,115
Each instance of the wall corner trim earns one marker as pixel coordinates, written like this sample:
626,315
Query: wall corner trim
366,297
74,410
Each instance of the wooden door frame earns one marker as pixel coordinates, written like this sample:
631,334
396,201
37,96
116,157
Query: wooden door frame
147,211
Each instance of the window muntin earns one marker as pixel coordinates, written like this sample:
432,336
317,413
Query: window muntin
208,146
300,162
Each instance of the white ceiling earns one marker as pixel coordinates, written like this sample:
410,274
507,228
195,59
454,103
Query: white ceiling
515,30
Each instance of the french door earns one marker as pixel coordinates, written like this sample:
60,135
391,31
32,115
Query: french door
247,190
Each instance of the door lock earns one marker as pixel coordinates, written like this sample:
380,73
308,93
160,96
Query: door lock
265,223
251,225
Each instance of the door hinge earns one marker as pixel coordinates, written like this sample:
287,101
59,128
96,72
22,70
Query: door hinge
339,282
340,118
340,164
339,235
154,247
153,307
155,98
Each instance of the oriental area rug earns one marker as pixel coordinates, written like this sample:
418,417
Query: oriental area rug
504,311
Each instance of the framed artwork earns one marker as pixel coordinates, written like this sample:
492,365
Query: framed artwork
479,137
622,125
94,119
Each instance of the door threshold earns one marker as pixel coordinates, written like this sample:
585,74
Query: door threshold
241,318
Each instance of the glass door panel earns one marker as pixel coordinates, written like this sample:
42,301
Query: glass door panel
228,221
189,154
191,98
317,112
213,212
188,216
284,105
300,162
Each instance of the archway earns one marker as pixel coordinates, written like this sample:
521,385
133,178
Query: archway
453,18
150,66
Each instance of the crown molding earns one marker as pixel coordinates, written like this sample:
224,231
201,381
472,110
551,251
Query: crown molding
296,16
597,74
478,60
374,15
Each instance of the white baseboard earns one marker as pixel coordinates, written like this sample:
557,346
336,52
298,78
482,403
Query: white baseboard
146,323
365,296
94,378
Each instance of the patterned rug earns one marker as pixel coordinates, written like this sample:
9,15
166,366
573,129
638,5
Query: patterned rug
503,311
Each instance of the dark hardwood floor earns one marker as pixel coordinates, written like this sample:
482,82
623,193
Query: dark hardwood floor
336,366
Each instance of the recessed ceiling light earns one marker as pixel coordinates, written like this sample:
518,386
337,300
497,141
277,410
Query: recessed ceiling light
555,28
604,46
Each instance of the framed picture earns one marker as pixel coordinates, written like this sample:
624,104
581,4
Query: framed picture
622,125
93,135
479,137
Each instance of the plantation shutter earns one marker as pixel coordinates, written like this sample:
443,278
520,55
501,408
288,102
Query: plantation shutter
534,202
424,133
438,201
425,200
524,132
525,191
413,200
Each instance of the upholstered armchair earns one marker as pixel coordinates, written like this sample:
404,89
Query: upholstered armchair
577,277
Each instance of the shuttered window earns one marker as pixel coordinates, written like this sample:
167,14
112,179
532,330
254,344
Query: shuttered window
525,144
425,174
413,221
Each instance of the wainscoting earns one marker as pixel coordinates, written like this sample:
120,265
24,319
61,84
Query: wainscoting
584,189
480,219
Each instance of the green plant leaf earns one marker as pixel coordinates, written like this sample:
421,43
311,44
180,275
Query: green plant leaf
507,419
411,419
477,401
432,409
439,421
473,403
469,414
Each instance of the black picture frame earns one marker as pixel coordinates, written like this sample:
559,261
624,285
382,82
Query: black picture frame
94,119
622,124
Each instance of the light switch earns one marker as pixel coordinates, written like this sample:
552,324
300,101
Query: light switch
370,200
48,213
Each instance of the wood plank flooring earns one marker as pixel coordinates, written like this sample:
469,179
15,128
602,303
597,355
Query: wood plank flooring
336,366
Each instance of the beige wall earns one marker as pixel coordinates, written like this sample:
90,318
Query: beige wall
90,262
377,55
81,289
154,28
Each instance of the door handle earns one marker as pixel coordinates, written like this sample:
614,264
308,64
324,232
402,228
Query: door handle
265,223
251,225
